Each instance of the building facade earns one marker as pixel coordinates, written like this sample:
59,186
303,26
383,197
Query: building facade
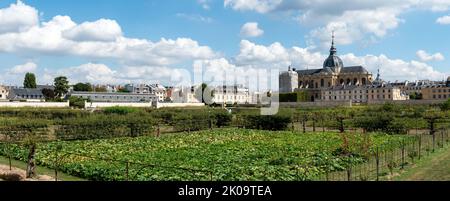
231,95
364,94
115,97
4,92
332,74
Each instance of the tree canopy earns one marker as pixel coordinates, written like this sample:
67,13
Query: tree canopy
29,81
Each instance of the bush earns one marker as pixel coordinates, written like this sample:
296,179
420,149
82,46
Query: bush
446,106
293,97
120,110
77,102
104,126
274,123
223,119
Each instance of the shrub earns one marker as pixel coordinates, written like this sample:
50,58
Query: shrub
267,122
120,110
223,119
77,102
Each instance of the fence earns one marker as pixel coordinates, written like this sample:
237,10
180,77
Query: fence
382,163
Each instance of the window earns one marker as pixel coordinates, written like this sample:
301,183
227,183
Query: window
364,81
322,83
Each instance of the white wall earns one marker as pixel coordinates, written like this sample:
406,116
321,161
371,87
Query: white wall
118,104
35,104
162,105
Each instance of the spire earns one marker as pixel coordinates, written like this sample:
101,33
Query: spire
333,48
378,75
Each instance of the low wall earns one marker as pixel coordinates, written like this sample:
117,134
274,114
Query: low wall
36,104
318,104
117,104
168,105
410,102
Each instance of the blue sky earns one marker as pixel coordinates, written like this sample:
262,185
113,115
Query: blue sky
402,38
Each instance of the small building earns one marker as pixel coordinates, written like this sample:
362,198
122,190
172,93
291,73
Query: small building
115,97
29,95
159,91
231,95
4,91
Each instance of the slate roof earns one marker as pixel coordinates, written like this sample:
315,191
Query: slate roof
350,69
19,93
354,69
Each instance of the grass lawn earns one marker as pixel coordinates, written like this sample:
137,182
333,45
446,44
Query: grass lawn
435,167
40,170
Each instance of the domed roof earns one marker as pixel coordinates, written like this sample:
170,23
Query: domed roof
333,61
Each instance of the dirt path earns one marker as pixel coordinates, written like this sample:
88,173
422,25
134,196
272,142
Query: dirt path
435,168
20,174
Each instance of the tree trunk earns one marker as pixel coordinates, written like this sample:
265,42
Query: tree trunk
31,166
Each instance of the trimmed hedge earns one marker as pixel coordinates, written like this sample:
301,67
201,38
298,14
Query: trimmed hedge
274,123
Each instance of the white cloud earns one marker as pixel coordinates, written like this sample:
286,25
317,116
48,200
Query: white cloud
278,57
353,20
18,17
100,30
24,68
205,4
251,29
101,39
443,20
195,17
261,6
90,72
425,57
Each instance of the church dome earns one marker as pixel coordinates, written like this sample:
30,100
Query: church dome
333,61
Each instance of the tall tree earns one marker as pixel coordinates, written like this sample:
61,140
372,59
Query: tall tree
29,81
61,86
82,87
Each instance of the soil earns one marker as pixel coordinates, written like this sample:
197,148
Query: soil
17,174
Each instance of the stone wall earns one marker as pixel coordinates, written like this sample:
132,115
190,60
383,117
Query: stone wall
117,104
172,105
318,104
36,104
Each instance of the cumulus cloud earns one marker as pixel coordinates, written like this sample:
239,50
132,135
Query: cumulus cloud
18,17
353,20
443,20
425,57
100,30
24,68
280,57
100,39
251,29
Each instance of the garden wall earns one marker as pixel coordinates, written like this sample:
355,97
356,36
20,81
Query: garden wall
35,104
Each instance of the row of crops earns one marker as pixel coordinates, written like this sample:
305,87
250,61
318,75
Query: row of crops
222,154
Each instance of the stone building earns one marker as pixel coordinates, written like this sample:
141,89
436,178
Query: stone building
4,91
333,74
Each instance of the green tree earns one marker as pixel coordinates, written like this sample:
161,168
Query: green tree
61,86
82,87
49,94
29,81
